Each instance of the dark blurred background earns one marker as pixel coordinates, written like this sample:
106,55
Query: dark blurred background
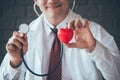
15,12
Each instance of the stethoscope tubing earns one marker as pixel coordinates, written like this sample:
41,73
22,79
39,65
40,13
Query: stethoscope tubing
50,72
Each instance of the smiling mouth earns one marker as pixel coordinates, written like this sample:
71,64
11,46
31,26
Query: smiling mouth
54,5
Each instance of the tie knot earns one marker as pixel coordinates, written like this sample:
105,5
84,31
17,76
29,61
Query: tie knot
55,30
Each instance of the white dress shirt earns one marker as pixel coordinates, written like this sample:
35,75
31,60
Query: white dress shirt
77,64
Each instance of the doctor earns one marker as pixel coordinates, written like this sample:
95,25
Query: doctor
91,55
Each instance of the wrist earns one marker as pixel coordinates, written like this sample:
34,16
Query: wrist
15,63
92,47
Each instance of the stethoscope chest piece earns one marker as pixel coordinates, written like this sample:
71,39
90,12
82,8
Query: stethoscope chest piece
24,28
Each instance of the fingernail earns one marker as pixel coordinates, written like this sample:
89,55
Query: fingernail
21,34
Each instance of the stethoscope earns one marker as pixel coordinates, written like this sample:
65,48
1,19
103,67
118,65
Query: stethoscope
24,28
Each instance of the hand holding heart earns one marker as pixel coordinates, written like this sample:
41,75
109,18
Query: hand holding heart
82,34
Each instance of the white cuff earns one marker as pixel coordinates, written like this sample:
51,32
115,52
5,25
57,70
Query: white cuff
12,71
102,57
97,52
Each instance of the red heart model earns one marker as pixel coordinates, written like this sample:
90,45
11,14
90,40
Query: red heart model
65,35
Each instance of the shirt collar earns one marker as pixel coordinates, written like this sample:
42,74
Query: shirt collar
62,24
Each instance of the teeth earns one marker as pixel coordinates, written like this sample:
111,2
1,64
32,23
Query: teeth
56,4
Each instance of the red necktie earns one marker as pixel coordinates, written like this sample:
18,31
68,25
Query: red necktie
54,57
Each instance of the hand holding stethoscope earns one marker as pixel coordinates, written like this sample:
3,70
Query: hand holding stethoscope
17,47
17,42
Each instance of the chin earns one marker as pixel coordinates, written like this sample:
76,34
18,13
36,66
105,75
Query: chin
53,14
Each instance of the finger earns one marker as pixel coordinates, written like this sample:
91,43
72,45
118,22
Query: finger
15,43
10,47
85,23
25,36
76,36
18,33
71,25
20,37
70,45
77,24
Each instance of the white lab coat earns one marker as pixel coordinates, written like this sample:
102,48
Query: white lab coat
77,64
